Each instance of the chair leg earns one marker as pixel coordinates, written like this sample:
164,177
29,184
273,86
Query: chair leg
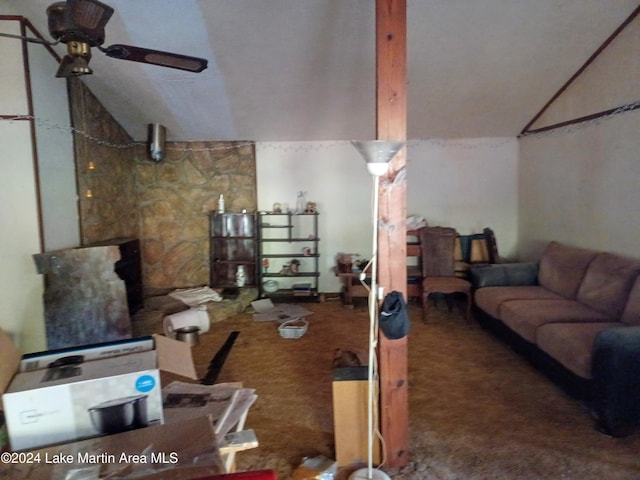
467,313
425,306
448,298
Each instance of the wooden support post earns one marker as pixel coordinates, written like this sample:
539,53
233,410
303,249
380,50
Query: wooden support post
391,116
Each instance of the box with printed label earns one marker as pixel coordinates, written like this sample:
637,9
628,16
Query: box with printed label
72,399
96,351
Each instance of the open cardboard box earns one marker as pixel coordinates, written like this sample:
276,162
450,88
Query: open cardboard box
164,452
55,397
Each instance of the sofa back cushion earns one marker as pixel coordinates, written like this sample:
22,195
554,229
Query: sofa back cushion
562,268
631,314
607,283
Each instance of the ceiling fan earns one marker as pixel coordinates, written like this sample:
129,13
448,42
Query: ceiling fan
80,25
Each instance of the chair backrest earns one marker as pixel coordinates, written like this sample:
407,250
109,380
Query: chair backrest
437,245
492,245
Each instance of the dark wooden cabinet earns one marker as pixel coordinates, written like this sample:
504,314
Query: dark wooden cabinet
233,243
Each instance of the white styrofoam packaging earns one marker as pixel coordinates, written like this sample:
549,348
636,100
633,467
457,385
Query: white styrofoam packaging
77,399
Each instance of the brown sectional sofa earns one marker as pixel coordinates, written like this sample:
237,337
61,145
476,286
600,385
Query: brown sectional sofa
576,314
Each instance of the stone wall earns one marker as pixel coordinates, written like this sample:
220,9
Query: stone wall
123,193
175,197
107,199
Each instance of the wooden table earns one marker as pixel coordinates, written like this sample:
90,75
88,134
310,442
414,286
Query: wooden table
353,287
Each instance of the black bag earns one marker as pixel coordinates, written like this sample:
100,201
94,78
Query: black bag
393,318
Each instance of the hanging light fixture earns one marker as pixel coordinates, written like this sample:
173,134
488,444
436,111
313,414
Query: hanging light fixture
377,154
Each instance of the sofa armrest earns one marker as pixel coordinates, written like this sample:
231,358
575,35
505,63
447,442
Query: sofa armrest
615,373
504,274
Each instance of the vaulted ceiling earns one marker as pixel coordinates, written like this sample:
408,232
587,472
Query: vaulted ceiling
304,70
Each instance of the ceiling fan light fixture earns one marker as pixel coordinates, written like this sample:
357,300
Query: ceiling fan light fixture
73,67
76,63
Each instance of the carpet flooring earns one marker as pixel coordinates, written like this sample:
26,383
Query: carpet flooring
477,410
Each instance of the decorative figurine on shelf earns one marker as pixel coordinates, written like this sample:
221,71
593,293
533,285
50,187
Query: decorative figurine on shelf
277,207
294,266
265,265
241,276
291,268
311,208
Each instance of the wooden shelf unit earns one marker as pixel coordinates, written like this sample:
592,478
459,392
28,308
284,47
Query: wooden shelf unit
294,237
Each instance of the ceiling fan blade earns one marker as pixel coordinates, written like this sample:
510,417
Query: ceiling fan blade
156,57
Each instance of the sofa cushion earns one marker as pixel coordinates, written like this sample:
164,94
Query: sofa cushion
607,283
526,316
631,313
562,268
490,299
571,343
504,274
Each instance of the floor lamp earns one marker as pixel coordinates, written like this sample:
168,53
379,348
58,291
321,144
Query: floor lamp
377,154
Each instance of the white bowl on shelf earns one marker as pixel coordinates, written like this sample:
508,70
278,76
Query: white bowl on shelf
270,286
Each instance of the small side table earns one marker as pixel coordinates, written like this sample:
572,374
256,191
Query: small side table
352,288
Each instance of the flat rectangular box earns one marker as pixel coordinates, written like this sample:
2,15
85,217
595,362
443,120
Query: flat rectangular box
38,360
71,399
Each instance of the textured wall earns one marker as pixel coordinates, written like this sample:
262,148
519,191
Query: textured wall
108,172
166,205
175,198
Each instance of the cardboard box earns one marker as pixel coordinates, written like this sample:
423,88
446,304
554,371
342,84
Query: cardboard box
39,360
350,389
164,452
71,399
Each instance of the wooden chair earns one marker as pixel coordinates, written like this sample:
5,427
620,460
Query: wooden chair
414,264
438,268
492,246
